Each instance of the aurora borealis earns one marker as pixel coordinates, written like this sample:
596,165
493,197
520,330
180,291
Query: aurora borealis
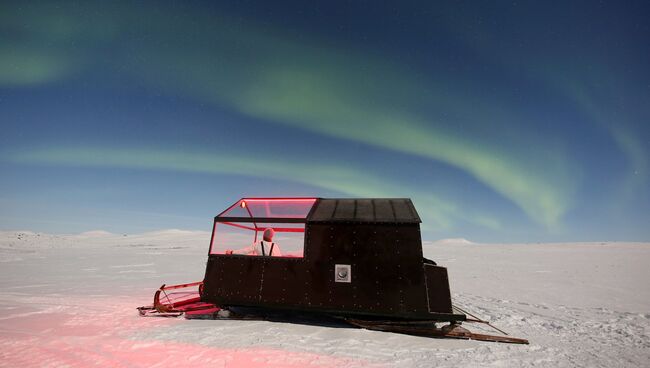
503,121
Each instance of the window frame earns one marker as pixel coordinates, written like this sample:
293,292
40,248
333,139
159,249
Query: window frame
233,221
220,218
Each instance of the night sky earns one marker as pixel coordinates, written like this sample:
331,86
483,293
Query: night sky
503,121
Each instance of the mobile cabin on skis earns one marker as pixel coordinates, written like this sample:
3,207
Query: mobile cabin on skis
355,261
358,257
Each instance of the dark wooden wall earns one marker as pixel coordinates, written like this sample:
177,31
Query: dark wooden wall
388,275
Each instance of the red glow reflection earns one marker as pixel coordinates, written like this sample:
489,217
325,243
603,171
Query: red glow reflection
96,332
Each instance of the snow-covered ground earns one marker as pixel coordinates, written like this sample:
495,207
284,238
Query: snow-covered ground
69,300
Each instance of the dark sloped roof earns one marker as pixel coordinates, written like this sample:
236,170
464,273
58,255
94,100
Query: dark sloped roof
386,210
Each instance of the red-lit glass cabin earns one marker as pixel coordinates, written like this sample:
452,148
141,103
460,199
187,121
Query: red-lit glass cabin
349,257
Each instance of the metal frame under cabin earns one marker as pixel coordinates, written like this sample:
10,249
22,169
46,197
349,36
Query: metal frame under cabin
377,247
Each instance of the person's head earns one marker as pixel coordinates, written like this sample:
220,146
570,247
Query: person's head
268,234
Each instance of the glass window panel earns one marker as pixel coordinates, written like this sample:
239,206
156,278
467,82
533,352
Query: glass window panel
243,238
231,236
271,208
290,238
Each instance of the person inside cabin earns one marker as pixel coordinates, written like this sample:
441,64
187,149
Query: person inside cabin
265,247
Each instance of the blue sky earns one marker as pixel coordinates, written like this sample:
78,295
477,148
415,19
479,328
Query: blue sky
502,121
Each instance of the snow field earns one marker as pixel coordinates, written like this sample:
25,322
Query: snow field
69,300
